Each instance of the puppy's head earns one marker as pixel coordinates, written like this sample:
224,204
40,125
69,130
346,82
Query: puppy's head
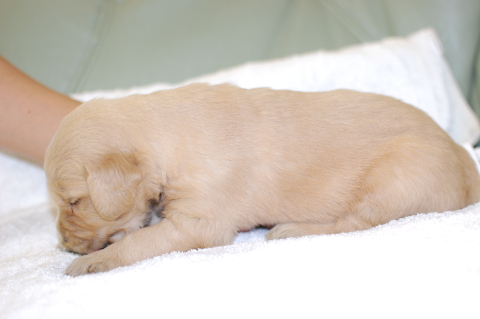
102,190
100,203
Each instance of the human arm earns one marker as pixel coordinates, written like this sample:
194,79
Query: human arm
30,113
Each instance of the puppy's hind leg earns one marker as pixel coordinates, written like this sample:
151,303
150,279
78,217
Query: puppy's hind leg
414,177
347,224
288,230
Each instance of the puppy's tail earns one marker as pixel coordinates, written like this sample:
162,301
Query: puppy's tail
472,174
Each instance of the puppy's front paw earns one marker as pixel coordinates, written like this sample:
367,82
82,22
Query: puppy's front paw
92,263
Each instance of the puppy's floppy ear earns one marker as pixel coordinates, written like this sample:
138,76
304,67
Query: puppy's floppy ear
113,184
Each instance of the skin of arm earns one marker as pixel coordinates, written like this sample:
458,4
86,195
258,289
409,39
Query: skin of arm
30,113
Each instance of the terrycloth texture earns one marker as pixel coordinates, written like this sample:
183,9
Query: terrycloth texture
22,186
424,266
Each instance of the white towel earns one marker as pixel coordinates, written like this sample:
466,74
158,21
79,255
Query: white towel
423,266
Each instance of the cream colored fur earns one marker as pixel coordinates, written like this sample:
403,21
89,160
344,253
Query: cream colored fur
220,159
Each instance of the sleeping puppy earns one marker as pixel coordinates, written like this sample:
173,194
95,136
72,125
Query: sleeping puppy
214,160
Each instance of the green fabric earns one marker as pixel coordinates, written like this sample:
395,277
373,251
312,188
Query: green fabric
77,45
49,39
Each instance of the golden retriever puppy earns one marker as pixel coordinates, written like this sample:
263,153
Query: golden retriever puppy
214,160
